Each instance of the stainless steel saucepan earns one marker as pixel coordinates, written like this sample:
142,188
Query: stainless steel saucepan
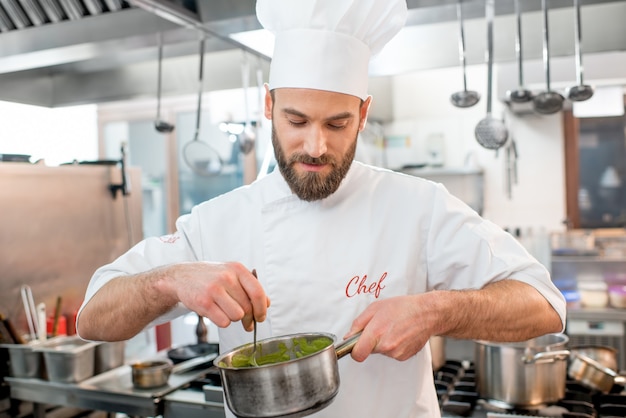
293,388
593,374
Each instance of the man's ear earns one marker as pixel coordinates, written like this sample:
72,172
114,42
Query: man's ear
364,111
268,102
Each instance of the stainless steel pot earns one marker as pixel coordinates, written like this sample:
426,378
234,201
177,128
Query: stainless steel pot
593,374
605,355
151,374
525,374
294,388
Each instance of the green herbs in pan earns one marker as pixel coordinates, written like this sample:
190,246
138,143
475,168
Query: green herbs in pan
300,347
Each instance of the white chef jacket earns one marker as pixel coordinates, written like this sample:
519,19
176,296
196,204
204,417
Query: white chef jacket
381,234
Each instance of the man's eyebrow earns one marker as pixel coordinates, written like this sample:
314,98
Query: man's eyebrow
339,116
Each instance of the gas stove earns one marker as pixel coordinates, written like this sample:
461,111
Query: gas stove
458,396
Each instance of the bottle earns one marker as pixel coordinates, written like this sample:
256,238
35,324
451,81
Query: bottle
201,330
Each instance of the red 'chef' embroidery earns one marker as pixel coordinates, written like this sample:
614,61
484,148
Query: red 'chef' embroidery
358,285
169,239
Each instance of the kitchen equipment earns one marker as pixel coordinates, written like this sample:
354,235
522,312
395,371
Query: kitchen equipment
15,158
57,315
187,352
524,374
202,332
108,355
42,333
594,375
25,361
491,133
547,102
248,137
254,345
464,98
521,95
156,373
510,166
151,374
202,158
159,124
579,92
456,380
294,388
13,333
31,312
605,355
68,359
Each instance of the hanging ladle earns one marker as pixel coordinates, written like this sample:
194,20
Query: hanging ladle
521,95
159,124
580,92
549,101
464,98
491,133
248,137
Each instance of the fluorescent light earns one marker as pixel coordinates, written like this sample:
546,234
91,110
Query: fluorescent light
260,40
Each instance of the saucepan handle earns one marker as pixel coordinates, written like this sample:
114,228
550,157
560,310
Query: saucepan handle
547,357
345,347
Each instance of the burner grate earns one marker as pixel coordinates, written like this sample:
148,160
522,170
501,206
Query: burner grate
455,383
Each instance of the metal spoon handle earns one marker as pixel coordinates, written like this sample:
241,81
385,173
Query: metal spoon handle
200,82
546,43
459,13
518,44
489,14
253,355
579,64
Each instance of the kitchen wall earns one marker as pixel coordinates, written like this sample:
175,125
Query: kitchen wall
423,112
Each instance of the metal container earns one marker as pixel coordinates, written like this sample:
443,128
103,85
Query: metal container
294,388
68,359
24,361
109,355
151,374
593,374
605,355
525,374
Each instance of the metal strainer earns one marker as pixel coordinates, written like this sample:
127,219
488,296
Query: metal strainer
202,158
491,133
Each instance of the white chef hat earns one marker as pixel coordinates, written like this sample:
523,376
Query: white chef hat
327,44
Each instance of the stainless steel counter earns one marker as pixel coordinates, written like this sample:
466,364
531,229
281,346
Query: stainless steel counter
193,404
113,391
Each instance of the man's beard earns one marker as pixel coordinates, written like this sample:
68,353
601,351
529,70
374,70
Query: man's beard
312,186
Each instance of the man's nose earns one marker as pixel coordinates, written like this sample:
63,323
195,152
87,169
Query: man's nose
315,143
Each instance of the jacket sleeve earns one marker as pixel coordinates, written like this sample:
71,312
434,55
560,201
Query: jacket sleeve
467,251
151,253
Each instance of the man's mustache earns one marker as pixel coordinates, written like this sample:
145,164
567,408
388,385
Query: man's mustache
307,159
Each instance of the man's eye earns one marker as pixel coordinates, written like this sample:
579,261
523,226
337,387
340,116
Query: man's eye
296,122
337,126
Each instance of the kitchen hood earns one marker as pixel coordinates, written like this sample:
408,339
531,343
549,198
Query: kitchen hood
66,52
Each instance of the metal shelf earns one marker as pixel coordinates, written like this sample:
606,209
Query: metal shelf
586,259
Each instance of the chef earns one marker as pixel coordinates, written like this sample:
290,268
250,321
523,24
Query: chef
339,246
